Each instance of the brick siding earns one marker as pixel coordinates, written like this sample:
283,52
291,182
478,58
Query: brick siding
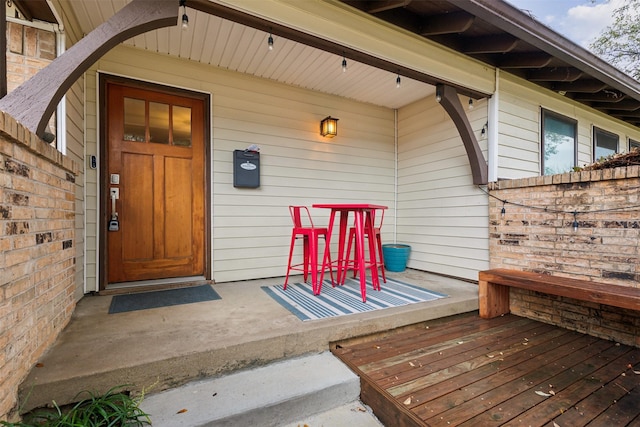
29,50
536,234
37,254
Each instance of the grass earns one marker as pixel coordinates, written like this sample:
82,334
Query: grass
111,409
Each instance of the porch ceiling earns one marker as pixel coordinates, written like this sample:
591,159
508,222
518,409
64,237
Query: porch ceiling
493,32
219,42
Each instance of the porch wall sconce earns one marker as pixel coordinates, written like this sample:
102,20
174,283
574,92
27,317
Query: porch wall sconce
329,127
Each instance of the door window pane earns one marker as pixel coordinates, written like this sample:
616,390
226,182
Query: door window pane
159,123
182,126
558,143
134,126
605,143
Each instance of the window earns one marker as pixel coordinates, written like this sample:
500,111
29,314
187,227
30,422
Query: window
156,122
559,143
605,143
633,144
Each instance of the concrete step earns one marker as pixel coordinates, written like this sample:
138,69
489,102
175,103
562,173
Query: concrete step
284,392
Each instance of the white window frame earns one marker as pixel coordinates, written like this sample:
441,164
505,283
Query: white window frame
598,133
559,117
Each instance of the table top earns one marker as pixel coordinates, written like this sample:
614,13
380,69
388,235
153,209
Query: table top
348,206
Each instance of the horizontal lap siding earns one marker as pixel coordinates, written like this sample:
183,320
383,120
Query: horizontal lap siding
520,127
75,150
441,214
251,227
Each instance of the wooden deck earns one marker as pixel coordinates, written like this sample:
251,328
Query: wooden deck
506,371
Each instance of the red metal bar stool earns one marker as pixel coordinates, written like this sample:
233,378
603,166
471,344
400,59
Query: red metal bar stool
352,260
304,228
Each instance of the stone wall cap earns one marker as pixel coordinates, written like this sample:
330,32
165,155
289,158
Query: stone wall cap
17,133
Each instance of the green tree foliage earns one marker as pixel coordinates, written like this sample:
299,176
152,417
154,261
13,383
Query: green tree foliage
619,43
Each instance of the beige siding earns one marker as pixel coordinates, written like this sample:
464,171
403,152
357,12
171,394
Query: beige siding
520,126
75,151
251,227
75,142
441,214
91,182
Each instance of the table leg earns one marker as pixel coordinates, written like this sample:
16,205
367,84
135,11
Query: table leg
369,225
342,262
327,253
362,268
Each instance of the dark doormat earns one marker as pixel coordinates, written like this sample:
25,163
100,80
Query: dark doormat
165,298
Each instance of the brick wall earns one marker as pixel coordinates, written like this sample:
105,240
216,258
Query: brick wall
37,254
29,50
536,233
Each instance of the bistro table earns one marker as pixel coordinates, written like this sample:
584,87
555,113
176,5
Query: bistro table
359,210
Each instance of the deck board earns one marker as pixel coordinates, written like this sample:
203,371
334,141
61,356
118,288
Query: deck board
467,371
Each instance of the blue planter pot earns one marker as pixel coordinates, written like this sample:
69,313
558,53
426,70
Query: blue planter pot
395,256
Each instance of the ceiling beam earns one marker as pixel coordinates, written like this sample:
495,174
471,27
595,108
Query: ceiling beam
446,23
382,6
559,74
626,115
525,60
624,105
602,96
489,44
582,86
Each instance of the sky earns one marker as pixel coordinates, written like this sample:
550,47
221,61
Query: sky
581,21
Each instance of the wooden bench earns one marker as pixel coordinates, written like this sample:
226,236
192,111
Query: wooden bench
494,287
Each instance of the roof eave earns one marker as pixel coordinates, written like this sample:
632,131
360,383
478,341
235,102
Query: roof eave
537,34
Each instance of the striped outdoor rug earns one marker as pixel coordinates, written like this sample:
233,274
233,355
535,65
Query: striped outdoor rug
342,300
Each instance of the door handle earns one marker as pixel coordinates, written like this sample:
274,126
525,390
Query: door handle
114,222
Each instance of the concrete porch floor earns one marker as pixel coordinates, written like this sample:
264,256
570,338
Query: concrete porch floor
166,347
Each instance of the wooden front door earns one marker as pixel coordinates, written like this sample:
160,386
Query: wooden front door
156,167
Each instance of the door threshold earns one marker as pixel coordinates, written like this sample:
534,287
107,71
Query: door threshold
154,285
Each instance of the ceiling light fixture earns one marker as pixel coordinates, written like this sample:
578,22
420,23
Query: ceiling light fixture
344,64
329,127
185,18
438,93
470,103
270,41
398,81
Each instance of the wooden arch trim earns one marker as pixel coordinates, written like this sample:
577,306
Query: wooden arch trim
33,102
452,105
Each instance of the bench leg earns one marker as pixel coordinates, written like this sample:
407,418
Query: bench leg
493,300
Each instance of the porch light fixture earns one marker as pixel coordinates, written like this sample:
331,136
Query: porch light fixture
270,42
185,18
398,81
438,93
470,103
329,127
344,64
